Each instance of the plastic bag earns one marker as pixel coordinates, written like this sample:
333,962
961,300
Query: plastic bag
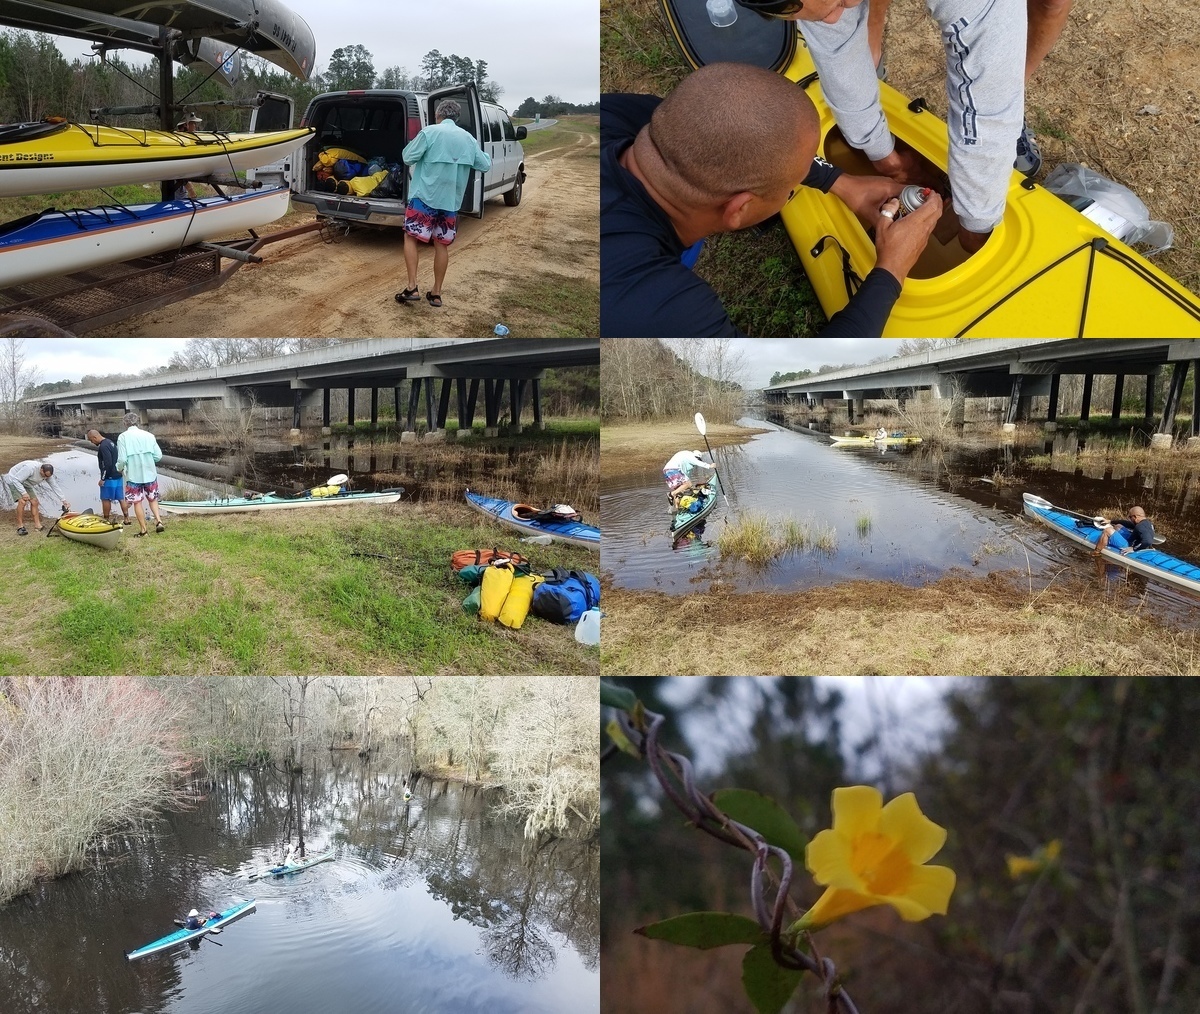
1113,207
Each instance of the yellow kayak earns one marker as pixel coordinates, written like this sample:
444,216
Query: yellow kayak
47,157
90,529
891,440
1046,272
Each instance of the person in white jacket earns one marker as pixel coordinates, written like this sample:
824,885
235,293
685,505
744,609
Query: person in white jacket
20,487
678,473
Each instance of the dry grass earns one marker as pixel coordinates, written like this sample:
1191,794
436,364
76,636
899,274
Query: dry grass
14,448
756,539
644,446
957,625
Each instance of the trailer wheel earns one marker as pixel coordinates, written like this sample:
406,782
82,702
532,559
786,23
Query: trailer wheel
22,325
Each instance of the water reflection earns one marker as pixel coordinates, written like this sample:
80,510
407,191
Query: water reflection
431,905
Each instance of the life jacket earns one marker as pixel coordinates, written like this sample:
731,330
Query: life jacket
494,588
559,512
474,557
565,595
325,491
520,598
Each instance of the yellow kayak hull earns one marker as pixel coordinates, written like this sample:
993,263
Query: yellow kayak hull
1046,272
81,156
89,529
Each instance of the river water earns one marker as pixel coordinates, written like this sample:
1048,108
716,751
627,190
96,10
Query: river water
435,905
907,514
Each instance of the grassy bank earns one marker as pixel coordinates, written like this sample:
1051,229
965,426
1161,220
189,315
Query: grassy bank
633,447
957,625
561,133
272,594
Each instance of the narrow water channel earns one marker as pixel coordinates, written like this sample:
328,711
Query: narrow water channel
906,514
432,905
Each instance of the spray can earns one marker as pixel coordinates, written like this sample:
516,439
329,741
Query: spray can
912,198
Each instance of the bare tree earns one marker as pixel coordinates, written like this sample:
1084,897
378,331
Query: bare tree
15,379
209,353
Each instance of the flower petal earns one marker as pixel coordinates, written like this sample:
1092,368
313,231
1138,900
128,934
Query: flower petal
918,836
856,810
828,860
834,904
931,887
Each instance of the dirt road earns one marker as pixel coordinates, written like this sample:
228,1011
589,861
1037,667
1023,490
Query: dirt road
308,287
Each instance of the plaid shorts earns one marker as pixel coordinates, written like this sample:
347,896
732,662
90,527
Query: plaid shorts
138,491
427,224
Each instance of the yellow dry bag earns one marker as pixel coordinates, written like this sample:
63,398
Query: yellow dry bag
520,597
494,589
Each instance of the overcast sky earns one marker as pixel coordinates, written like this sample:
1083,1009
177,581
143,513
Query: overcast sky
73,358
532,47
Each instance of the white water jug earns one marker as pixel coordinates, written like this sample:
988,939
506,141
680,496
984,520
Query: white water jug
587,630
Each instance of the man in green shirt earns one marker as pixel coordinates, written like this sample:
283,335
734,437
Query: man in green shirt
441,156
137,455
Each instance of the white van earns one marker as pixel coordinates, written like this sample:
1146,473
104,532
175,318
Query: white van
378,123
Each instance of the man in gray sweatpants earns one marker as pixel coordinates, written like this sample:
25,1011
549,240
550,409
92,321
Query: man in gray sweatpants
984,42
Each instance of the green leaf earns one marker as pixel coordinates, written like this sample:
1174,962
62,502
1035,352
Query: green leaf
613,696
766,816
705,930
617,734
768,985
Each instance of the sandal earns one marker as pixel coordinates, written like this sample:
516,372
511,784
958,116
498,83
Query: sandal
22,530
138,535
409,296
434,300
160,527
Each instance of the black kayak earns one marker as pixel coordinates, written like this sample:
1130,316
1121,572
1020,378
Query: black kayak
691,517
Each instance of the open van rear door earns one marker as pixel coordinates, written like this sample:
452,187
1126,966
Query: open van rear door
273,112
471,120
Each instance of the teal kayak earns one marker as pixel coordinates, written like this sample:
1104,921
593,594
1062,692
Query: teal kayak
182,936
283,869
692,516
272,501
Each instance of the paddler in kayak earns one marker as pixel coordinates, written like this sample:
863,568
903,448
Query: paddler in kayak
1127,536
677,473
985,86
725,151
194,920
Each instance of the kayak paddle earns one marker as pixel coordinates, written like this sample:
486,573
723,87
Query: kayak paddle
702,426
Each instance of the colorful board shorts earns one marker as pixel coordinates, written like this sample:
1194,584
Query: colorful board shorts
674,477
113,489
135,492
428,224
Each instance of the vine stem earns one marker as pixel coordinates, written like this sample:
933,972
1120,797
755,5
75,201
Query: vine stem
674,772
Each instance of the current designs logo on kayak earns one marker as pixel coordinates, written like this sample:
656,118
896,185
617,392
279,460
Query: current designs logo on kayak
27,156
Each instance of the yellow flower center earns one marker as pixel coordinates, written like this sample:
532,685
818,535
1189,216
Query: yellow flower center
881,864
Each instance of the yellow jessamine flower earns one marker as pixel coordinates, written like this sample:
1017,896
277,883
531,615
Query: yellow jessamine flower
875,855
1020,866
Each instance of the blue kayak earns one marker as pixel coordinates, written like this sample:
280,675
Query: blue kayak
1150,563
182,936
524,519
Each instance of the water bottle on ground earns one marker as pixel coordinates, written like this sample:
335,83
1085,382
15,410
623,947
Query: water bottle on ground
587,630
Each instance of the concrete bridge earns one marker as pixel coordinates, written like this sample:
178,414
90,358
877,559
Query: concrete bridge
436,371
1019,368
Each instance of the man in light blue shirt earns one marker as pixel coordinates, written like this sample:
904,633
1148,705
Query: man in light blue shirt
442,157
137,455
